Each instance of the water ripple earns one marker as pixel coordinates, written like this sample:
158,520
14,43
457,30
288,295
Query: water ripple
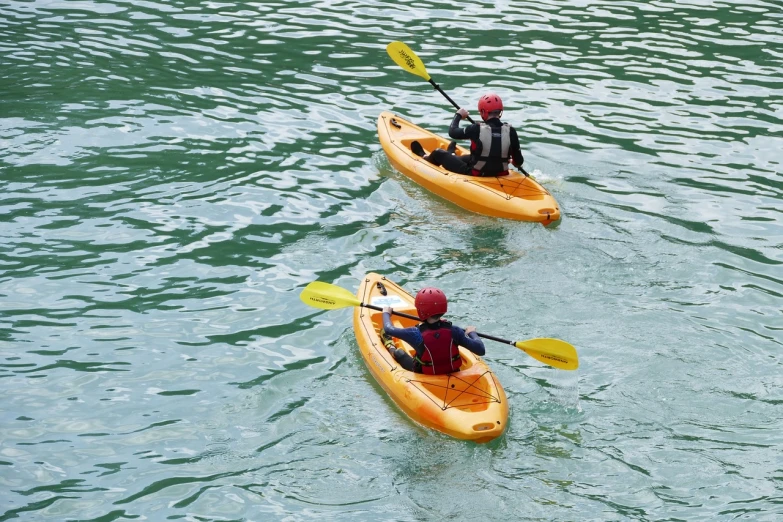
173,174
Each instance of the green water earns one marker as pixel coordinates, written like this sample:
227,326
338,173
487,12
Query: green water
172,174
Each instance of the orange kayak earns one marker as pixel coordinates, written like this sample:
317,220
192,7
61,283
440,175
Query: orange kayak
469,404
515,196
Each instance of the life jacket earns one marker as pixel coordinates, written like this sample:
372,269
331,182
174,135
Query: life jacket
439,353
492,156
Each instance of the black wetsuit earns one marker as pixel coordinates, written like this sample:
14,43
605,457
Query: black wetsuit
464,164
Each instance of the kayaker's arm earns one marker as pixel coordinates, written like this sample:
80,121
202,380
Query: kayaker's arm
457,133
412,336
516,154
471,341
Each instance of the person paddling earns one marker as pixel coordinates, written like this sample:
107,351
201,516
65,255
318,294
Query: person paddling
436,341
493,144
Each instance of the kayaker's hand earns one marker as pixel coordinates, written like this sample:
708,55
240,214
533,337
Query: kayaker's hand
387,309
463,112
470,329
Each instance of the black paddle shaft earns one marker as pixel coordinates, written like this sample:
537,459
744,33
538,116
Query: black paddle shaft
437,88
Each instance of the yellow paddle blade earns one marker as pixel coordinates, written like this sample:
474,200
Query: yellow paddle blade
407,59
553,352
327,296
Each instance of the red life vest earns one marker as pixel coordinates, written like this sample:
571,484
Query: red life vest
438,353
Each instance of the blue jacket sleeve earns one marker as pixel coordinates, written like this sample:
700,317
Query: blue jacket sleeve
471,341
411,335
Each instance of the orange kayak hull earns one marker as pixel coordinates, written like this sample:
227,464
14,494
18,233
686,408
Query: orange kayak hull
515,196
469,404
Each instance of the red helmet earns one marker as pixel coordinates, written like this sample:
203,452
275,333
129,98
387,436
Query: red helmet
430,301
488,103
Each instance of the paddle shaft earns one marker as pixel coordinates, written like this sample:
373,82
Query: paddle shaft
552,352
437,88
409,316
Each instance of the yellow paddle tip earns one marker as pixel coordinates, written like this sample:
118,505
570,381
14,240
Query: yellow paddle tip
327,296
554,352
407,59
